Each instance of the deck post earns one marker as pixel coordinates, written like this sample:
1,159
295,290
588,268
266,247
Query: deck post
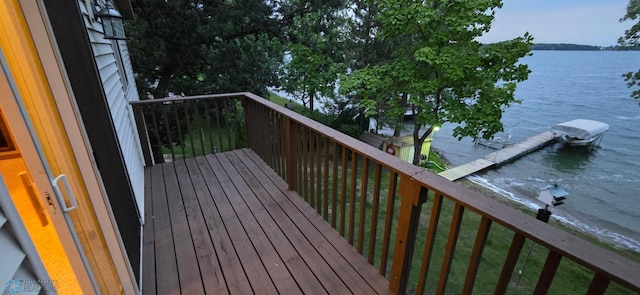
143,135
412,195
290,154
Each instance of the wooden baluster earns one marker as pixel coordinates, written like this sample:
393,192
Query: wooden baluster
476,255
207,115
168,130
363,203
334,185
343,190
326,179
436,208
217,112
313,149
352,196
373,231
386,239
291,154
510,263
450,248
598,285
548,272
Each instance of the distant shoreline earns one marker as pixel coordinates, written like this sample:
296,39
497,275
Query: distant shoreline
579,47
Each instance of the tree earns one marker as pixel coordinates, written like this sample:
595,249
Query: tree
183,44
204,46
365,50
631,38
440,71
315,55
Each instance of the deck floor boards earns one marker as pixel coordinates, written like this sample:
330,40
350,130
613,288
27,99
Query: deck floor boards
226,223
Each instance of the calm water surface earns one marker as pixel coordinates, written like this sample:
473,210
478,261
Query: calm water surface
604,183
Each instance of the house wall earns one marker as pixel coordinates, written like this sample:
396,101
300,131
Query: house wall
44,118
102,83
113,61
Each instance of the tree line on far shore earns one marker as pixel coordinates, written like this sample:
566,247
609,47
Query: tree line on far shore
578,47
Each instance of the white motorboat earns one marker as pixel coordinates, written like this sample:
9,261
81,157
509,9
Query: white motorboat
580,132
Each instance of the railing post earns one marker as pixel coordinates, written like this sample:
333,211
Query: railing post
290,153
143,135
412,195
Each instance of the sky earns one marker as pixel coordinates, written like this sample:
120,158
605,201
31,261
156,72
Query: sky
586,22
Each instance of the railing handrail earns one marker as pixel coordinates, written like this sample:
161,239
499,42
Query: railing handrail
187,98
385,159
382,158
621,269
613,266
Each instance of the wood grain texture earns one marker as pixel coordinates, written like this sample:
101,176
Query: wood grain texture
228,224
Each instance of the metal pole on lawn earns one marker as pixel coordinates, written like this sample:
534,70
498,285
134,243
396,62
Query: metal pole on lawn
543,215
552,195
521,271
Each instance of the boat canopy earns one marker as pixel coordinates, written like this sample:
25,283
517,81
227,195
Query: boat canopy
580,128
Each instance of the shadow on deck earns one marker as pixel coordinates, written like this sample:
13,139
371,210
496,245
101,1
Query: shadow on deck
226,223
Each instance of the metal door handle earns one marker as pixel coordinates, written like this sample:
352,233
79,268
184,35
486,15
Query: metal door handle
60,197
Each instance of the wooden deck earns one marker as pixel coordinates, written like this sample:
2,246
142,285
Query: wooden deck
499,157
226,224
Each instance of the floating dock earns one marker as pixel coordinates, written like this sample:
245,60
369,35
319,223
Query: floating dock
500,157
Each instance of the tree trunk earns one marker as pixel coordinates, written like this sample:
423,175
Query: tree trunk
397,131
400,122
417,143
311,98
165,77
417,151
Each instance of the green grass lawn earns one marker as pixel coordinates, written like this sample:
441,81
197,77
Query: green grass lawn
203,139
277,99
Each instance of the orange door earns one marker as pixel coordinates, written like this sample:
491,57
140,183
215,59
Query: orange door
32,194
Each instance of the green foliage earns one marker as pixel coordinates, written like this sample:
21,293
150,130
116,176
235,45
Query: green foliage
197,47
314,56
339,116
309,74
439,70
631,38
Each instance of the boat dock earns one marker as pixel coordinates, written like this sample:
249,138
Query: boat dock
500,157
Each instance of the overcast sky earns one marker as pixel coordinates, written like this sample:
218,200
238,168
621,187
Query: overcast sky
588,22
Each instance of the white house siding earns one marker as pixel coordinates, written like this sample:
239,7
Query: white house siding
118,99
17,262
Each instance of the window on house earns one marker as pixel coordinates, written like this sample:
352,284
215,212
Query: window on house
117,52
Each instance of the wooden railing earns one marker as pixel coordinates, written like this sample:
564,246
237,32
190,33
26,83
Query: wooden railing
183,127
376,201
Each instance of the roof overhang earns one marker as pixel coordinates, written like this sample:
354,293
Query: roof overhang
125,8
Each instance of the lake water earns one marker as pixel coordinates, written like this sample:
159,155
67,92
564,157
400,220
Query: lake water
604,183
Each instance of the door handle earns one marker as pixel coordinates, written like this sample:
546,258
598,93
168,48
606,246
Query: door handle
60,196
